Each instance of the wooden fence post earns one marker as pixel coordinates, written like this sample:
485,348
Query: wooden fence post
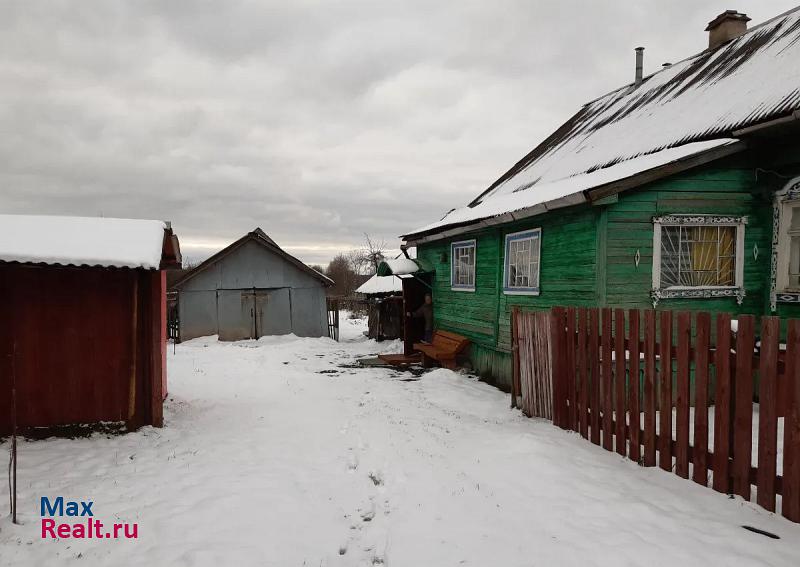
767,414
700,473
665,385
743,410
594,368
633,380
619,381
570,415
560,372
722,404
649,388
515,382
682,398
607,383
791,430
583,374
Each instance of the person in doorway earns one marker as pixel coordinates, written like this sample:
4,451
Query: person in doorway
425,311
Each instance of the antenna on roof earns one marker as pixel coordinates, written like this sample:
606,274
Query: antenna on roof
639,66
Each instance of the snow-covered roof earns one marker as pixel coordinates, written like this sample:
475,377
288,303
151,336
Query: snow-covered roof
398,267
377,285
81,241
569,191
749,80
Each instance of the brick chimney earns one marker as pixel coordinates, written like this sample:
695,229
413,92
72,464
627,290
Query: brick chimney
728,25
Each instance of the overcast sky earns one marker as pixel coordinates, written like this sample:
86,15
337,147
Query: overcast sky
317,121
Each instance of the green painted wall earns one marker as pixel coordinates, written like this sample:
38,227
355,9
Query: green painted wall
588,253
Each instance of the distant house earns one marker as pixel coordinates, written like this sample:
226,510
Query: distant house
251,289
677,191
82,320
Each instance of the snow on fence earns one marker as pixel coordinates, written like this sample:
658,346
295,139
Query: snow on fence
715,380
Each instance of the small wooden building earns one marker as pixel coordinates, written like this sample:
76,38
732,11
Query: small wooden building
82,320
680,190
385,313
251,289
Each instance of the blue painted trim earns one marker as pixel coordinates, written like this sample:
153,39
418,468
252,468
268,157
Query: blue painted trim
464,244
533,234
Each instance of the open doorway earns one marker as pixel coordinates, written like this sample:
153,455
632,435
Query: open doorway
414,290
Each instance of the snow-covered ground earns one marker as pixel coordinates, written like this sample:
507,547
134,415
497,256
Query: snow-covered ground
277,452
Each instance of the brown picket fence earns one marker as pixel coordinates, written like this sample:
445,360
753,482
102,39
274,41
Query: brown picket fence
648,384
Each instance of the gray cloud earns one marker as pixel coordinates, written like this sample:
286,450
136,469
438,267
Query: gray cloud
317,121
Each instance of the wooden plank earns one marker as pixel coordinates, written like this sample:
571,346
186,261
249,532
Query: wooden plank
767,414
722,404
633,385
572,415
665,388
700,453
743,409
606,382
594,370
515,357
583,373
619,381
682,398
158,352
649,388
790,507
559,370
546,368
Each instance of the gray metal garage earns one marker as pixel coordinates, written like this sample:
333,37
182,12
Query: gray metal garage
252,289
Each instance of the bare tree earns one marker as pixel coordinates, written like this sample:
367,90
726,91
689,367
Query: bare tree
374,252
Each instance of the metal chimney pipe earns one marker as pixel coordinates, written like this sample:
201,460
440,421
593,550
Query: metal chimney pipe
639,65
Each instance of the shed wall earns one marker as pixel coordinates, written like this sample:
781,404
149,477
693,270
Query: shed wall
87,345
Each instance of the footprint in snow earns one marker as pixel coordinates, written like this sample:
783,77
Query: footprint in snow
376,477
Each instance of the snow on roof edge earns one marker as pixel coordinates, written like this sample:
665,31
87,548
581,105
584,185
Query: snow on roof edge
380,284
82,241
552,191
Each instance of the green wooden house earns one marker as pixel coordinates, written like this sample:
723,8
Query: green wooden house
678,191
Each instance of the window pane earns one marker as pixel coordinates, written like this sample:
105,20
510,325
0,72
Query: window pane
670,257
698,256
794,261
464,266
522,263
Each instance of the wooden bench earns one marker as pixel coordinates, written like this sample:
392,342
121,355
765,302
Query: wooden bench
443,348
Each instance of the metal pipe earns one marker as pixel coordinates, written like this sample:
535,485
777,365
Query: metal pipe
639,65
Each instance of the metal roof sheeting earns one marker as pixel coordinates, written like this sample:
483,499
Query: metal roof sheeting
749,80
82,241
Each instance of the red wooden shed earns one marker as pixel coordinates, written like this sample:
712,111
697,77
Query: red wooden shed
83,320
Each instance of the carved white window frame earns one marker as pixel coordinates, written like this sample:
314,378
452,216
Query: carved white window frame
737,290
784,200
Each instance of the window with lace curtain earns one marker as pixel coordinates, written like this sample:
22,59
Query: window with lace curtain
788,276
698,252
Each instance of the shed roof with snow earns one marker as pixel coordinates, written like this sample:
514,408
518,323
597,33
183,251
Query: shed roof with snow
381,285
683,115
88,241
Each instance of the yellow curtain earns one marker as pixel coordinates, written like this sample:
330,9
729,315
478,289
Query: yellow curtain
705,254
727,252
